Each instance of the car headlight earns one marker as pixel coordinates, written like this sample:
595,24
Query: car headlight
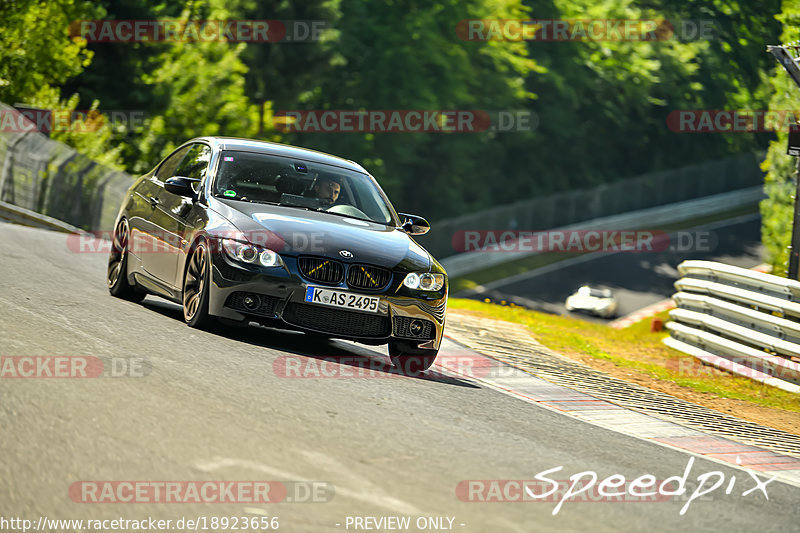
424,281
251,254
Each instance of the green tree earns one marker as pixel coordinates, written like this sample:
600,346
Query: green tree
780,181
283,71
37,53
604,105
188,88
407,55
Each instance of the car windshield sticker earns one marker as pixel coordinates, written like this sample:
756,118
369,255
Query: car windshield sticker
228,158
229,193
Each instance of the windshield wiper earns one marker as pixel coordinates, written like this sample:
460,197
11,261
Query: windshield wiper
262,202
344,215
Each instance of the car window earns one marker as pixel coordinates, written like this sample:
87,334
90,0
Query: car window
167,168
600,293
195,162
258,177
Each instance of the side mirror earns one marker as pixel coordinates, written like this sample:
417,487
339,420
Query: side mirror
182,186
414,225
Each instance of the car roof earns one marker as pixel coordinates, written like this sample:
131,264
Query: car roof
598,291
266,147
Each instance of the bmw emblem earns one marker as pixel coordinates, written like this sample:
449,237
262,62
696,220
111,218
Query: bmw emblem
346,254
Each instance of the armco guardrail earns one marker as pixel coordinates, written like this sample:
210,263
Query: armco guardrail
26,217
608,199
651,218
45,176
739,320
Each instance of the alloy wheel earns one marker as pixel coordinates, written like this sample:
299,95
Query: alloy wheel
195,282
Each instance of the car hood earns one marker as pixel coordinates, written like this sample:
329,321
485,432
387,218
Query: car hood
293,231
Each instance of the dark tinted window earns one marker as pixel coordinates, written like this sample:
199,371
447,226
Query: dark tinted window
258,177
195,162
167,168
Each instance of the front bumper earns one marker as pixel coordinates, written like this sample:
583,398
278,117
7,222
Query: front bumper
280,302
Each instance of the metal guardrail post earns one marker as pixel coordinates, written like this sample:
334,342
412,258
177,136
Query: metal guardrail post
789,63
794,247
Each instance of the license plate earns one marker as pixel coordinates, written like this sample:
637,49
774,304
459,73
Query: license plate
342,299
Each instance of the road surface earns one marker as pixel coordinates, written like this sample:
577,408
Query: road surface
637,279
212,407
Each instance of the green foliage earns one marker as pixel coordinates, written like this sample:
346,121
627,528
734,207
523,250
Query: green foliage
780,182
88,131
37,52
202,87
602,107
188,88
39,56
407,55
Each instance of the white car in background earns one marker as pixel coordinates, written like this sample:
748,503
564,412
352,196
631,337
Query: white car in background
598,301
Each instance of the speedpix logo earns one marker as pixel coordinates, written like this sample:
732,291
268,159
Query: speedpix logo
588,487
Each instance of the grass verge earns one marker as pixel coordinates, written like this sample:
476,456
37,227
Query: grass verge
634,350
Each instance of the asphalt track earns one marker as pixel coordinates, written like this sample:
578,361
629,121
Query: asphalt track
638,279
212,407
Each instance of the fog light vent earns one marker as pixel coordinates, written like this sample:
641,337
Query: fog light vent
413,328
251,302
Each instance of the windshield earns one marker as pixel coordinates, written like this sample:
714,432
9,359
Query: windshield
594,292
255,177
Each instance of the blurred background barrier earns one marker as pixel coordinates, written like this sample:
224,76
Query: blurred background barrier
26,217
738,320
641,192
643,219
48,177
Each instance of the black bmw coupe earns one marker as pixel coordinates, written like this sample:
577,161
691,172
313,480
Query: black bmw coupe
252,231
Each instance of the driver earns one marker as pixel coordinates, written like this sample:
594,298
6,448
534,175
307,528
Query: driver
327,191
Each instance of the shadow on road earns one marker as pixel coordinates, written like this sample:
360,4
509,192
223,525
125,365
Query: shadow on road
364,358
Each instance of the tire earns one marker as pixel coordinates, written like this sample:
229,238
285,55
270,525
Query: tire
196,286
410,361
117,272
